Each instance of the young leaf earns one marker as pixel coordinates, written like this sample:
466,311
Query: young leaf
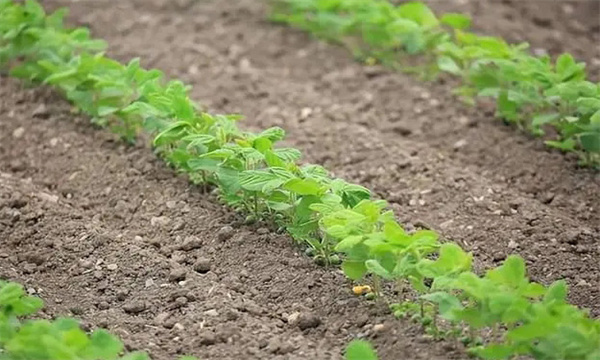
447,64
556,293
511,273
104,345
304,186
590,141
447,303
495,352
360,350
376,268
456,21
355,270
348,243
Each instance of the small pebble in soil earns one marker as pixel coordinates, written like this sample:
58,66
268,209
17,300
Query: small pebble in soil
160,221
293,318
191,243
76,310
378,328
180,302
308,320
459,144
225,233
202,265
41,112
103,305
277,346
262,231
231,315
177,274
161,318
122,294
18,133
134,307
211,312
207,338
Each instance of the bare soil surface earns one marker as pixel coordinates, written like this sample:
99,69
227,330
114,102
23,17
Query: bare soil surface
107,233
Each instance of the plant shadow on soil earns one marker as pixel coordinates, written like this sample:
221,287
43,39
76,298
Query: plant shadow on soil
74,203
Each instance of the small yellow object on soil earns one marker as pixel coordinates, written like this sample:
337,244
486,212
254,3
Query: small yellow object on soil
361,290
371,61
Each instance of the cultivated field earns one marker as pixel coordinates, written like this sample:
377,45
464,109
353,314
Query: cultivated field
104,231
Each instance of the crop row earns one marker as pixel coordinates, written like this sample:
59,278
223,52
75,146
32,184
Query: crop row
434,279
534,93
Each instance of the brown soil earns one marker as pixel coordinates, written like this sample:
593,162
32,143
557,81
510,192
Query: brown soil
74,202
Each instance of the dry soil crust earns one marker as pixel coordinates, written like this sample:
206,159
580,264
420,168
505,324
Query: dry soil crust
71,196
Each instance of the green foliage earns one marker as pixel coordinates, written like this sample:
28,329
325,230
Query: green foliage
267,183
534,93
360,350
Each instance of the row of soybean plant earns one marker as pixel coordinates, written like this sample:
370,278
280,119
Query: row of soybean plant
534,93
328,214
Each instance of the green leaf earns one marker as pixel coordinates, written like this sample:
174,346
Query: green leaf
104,345
376,268
260,181
9,293
27,306
534,290
506,107
304,186
556,293
456,21
57,78
542,119
138,355
273,160
274,134
355,270
588,104
288,154
447,64
539,328
360,350
495,352
590,141
106,110
348,243
419,13
511,273
564,145
447,303
564,62
204,164
262,144
452,259
595,119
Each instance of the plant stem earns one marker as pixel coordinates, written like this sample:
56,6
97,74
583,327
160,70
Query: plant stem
256,205
377,286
